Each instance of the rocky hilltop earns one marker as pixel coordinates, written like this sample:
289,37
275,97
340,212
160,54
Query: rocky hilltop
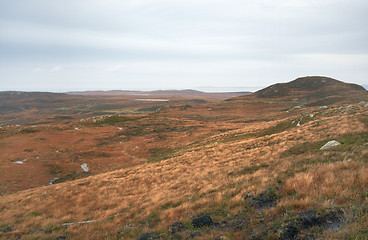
311,91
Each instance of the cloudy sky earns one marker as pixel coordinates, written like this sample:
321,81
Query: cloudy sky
69,45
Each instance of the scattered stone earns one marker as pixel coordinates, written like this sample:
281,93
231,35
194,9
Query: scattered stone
177,227
149,236
248,195
323,107
238,222
203,220
366,105
330,144
21,162
265,199
84,167
52,180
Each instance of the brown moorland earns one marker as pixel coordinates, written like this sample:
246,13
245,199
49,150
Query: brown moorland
252,164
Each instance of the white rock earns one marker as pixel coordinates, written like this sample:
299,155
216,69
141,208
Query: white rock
330,144
52,180
84,167
21,162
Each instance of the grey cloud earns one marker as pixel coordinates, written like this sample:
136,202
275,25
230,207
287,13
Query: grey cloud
196,40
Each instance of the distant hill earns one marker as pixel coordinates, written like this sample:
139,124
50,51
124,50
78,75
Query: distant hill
313,91
16,101
25,107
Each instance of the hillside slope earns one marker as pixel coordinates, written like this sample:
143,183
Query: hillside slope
311,91
245,172
222,176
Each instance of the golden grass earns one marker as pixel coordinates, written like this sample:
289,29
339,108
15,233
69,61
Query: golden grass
201,178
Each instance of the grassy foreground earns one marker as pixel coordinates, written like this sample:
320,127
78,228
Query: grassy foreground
220,176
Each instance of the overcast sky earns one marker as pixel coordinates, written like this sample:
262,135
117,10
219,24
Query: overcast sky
49,45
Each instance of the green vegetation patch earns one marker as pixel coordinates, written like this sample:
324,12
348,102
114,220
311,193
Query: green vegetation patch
158,154
349,142
72,176
285,125
4,227
303,148
55,169
112,119
249,170
29,130
352,139
326,101
63,117
94,154
278,128
102,107
170,205
150,109
237,137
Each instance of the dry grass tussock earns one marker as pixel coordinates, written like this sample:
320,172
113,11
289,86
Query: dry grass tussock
211,178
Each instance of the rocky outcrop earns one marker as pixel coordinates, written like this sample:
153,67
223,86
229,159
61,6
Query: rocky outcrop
201,221
177,227
265,199
330,144
307,219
